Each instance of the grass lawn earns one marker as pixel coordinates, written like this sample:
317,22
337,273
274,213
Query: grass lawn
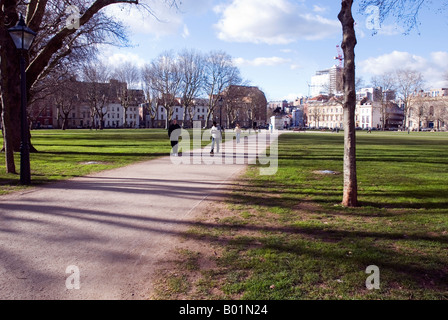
71,153
287,237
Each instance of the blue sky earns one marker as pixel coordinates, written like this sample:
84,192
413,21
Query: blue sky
280,44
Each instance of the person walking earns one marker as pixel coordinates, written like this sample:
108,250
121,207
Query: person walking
173,134
215,132
238,133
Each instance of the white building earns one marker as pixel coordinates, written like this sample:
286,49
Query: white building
326,82
114,116
368,115
158,119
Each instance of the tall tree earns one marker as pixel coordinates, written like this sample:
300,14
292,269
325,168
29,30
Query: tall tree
192,70
409,83
350,191
130,75
386,83
96,90
405,11
65,99
151,95
166,81
418,109
220,73
57,37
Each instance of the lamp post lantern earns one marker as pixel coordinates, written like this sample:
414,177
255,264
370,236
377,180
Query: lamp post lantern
23,38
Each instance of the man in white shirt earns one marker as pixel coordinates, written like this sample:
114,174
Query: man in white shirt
215,132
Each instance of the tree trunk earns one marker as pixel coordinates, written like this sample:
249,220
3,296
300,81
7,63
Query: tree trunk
10,98
64,123
350,193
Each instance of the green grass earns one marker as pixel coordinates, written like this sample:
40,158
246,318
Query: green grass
287,236
72,153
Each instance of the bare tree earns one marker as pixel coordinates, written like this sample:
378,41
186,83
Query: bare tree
58,36
386,83
350,191
409,83
233,104
151,94
220,73
96,90
316,113
129,75
65,98
166,82
404,11
418,109
407,12
191,64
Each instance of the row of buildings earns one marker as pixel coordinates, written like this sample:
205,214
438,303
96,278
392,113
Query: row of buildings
427,110
375,108
77,104
81,105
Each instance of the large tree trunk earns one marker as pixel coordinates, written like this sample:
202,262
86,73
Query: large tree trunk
10,91
350,193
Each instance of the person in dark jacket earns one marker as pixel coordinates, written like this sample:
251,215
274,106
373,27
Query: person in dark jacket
173,134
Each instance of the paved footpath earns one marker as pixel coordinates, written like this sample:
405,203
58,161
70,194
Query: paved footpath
114,227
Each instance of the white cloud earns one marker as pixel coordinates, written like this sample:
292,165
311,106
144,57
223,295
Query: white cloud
392,61
162,20
116,59
441,59
261,61
433,68
157,17
390,30
319,9
292,96
271,22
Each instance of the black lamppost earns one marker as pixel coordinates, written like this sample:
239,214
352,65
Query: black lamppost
23,38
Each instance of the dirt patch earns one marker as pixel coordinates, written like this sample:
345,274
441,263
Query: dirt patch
326,172
195,258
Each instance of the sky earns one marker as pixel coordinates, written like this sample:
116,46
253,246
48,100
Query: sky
280,44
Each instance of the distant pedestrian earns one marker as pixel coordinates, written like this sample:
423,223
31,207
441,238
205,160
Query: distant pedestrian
238,133
215,132
174,133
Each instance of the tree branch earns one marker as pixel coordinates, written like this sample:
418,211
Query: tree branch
54,44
